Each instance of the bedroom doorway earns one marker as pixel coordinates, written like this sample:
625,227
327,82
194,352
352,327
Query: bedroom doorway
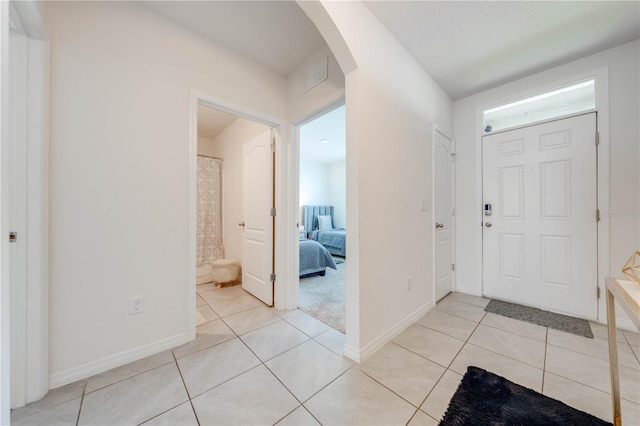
322,217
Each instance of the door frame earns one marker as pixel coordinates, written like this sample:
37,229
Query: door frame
601,77
283,233
33,350
437,129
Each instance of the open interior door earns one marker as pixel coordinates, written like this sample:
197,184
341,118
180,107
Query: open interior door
258,220
442,213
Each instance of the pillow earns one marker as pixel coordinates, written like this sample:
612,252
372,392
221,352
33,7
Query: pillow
324,223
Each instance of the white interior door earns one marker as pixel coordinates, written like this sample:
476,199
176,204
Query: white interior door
17,214
443,215
540,241
258,224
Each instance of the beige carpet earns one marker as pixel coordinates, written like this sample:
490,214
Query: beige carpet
324,297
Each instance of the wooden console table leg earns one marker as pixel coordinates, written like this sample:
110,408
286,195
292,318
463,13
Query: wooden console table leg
613,359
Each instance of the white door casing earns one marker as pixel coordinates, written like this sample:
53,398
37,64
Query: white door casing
540,241
27,156
443,214
258,224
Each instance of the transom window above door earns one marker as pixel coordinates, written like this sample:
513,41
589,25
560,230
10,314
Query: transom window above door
559,102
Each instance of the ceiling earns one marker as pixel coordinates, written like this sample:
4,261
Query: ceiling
277,34
212,121
466,46
330,127
470,46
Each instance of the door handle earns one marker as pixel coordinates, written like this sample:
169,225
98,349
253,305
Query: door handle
487,224
439,225
241,224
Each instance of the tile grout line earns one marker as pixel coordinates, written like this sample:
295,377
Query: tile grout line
544,361
447,368
263,363
259,359
594,357
175,360
274,375
325,386
391,390
128,377
81,402
327,347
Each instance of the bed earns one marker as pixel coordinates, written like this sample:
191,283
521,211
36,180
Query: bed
331,238
314,258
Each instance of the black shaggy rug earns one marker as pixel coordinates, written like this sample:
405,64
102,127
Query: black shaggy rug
484,398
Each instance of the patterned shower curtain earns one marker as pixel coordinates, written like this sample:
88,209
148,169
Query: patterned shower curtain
209,234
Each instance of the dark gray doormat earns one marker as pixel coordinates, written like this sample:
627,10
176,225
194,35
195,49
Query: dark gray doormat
559,322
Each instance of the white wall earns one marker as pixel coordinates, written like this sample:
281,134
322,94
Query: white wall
623,135
303,105
120,81
324,185
338,193
228,145
206,147
391,103
314,185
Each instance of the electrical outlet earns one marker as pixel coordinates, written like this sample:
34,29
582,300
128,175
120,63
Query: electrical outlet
408,283
135,305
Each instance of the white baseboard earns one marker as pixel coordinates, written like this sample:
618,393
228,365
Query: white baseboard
621,323
116,360
361,355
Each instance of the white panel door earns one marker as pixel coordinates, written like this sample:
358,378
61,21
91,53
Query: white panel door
442,213
540,241
257,243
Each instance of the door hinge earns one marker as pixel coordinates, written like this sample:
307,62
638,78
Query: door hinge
272,277
453,266
453,156
597,138
598,292
453,212
273,145
273,213
597,215
13,237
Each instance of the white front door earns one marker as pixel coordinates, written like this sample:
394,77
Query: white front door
539,242
258,224
443,215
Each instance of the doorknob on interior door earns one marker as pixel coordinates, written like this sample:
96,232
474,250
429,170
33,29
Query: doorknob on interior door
439,225
241,224
487,224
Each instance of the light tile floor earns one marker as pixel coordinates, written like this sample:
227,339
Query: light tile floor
254,365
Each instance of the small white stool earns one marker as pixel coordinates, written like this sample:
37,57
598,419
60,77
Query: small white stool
225,270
